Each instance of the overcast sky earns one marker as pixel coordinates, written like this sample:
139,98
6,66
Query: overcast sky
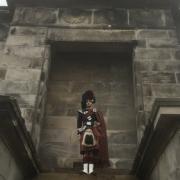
3,3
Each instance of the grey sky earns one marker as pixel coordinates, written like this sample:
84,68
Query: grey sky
3,3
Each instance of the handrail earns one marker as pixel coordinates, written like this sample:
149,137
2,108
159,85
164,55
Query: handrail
163,124
15,136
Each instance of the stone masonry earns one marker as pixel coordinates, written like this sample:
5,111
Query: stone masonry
26,57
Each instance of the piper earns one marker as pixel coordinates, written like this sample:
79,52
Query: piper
93,138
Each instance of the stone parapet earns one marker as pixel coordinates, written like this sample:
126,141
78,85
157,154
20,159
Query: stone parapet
115,18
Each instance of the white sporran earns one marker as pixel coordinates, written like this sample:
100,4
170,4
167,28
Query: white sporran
88,138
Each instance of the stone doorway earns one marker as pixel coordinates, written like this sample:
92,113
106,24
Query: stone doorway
105,68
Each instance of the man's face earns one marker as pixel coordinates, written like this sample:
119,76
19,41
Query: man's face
89,103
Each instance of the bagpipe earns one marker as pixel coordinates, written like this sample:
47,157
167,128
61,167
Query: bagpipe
88,136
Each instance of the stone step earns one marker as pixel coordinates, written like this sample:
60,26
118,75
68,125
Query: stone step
78,176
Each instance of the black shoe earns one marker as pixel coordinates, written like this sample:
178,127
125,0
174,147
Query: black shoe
93,173
82,173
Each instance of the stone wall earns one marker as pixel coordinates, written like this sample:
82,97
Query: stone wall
9,170
176,15
26,57
4,28
94,18
168,166
25,60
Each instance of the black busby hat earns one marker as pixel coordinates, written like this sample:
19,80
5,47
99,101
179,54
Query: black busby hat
88,95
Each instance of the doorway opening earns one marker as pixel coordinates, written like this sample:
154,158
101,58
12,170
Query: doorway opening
105,68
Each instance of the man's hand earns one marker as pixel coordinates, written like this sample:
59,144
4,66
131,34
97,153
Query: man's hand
80,130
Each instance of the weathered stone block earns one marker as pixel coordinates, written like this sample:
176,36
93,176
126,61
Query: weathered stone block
141,43
90,35
157,77
37,16
71,112
146,88
122,137
68,163
60,149
63,97
102,108
12,61
23,74
70,76
2,73
5,16
169,18
18,87
166,90
3,32
58,155
115,17
61,86
28,100
117,87
172,33
36,63
55,122
162,43
156,34
75,16
122,151
148,103
118,100
146,18
141,66
125,120
178,77
27,113
47,52
116,111
26,51
124,164
56,135
151,53
122,77
25,40
98,86
28,31
42,93
177,54
138,97
160,65
2,44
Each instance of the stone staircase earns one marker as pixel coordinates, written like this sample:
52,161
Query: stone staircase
78,176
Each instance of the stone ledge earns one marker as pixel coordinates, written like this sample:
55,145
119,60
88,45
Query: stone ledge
17,138
108,18
55,34
162,126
